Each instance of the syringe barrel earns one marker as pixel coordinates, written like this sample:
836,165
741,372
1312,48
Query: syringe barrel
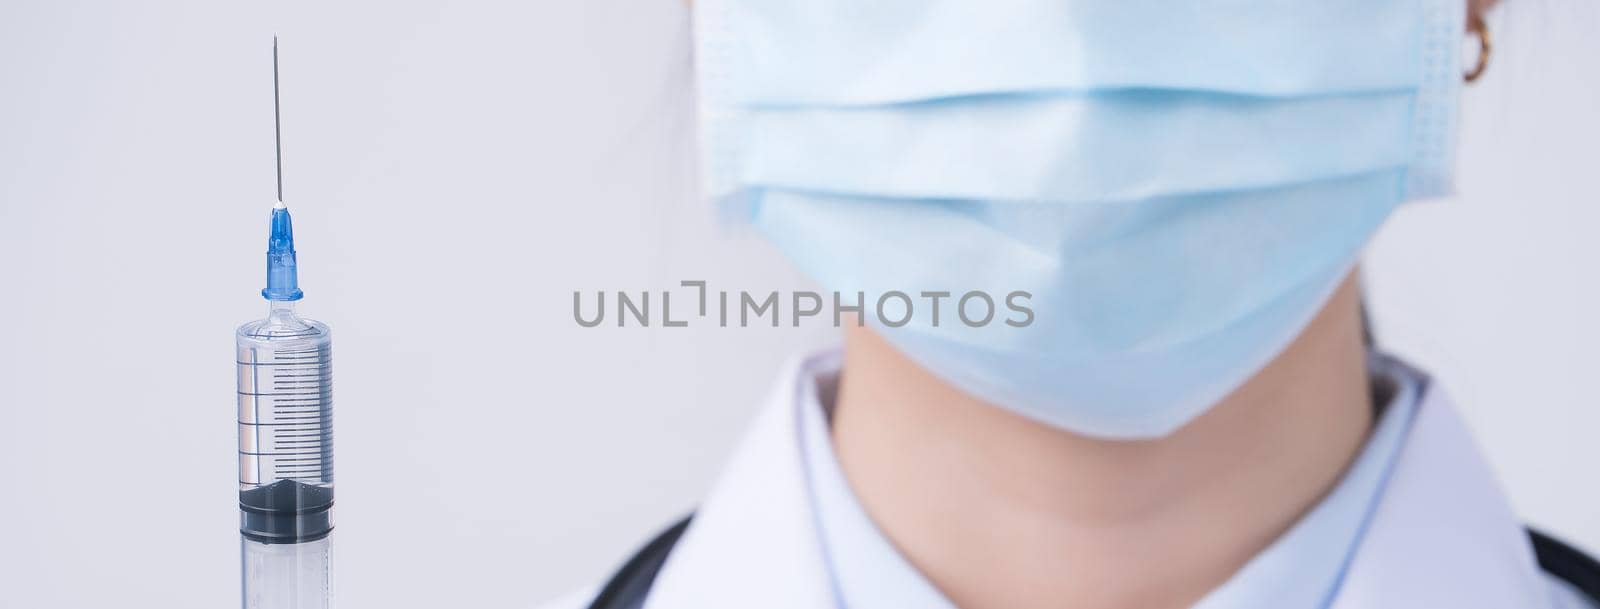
285,370
285,428
285,575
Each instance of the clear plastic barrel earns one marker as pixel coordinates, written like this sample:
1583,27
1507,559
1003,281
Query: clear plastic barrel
285,459
286,575
285,407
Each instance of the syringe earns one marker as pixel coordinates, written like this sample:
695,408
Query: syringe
285,437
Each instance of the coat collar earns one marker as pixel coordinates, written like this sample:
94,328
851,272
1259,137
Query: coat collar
1442,535
754,542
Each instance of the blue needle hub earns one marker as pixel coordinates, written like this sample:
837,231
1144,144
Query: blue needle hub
283,281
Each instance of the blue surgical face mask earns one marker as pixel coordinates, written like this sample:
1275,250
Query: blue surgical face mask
1179,186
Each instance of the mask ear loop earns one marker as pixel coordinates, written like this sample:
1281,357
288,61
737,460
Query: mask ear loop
1477,26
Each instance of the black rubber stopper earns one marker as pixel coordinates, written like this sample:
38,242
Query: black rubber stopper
286,511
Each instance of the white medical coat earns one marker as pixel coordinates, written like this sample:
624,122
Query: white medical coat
1442,536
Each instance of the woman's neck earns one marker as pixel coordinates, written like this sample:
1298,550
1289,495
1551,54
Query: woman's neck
1001,512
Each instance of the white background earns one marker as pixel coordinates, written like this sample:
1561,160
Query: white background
456,171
